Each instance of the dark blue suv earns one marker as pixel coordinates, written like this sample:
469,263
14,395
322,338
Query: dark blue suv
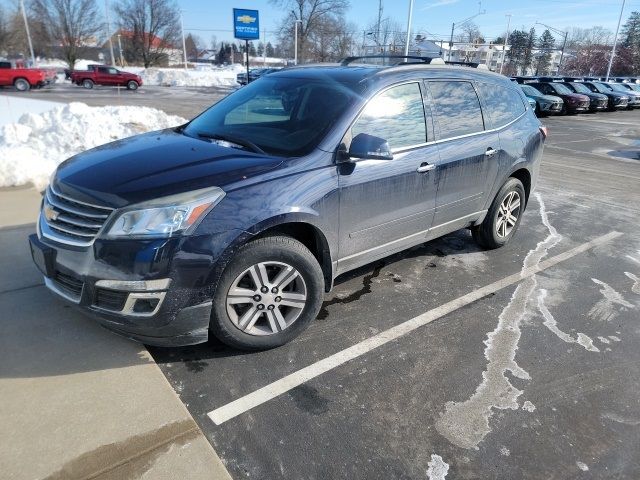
236,223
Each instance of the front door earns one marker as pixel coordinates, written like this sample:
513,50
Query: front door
388,205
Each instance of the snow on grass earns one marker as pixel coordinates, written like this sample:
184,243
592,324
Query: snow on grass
176,77
34,146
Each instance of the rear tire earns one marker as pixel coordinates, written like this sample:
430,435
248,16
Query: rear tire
21,85
88,84
503,217
248,312
132,85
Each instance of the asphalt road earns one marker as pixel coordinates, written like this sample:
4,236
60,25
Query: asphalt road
534,379
184,101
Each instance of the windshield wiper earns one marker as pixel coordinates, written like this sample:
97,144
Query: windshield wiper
232,139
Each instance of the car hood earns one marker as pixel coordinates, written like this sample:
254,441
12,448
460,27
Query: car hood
154,165
550,98
578,97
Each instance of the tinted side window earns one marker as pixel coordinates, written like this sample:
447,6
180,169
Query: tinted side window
457,108
503,104
397,115
103,70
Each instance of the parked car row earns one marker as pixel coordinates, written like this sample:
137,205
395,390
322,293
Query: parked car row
254,74
570,95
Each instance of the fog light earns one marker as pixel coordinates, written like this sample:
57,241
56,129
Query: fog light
145,305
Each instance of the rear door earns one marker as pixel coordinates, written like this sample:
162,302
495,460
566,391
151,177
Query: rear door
388,205
468,154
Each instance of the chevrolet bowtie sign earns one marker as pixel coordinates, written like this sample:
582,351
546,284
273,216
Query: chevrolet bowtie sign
246,25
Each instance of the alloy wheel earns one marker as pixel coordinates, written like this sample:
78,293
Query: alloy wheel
508,214
266,298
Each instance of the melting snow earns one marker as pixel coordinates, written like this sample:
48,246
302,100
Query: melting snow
551,324
604,309
582,466
437,468
636,284
528,406
466,423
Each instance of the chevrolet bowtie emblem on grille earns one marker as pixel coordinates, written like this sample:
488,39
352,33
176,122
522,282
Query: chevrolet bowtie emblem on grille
246,19
50,214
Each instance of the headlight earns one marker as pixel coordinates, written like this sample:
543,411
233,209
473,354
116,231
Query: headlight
166,216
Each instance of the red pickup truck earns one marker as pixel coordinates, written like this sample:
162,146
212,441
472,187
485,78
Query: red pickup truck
21,78
105,75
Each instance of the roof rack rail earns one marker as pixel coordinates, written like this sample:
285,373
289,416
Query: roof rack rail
400,59
468,64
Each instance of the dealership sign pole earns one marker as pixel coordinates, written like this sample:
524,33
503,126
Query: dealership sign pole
246,26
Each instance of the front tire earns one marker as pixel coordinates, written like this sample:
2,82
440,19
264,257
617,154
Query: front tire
268,294
88,84
503,217
132,85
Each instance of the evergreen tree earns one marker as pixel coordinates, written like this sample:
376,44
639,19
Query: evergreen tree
631,40
545,46
260,49
270,50
527,59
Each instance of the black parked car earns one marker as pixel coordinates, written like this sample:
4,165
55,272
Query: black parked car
598,101
625,89
236,223
572,102
617,100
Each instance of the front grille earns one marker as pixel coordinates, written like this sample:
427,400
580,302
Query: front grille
110,299
71,221
68,283
584,104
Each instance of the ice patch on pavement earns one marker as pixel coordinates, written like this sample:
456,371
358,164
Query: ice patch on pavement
551,323
34,146
614,338
605,309
636,285
504,451
604,340
634,258
528,406
438,468
582,466
466,423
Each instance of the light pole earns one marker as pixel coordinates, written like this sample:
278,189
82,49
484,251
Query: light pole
506,40
564,42
26,26
106,13
184,43
615,42
453,27
295,43
120,48
406,46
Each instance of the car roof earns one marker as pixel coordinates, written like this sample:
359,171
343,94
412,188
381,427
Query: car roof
361,73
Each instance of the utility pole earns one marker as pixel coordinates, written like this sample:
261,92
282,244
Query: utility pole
184,43
379,21
506,40
264,47
106,13
120,47
453,27
295,43
26,26
615,42
406,45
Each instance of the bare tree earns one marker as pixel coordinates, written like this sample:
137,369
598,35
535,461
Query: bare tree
4,29
389,38
309,14
70,23
151,27
331,40
469,33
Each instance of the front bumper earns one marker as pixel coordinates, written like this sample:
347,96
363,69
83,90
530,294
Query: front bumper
156,291
555,107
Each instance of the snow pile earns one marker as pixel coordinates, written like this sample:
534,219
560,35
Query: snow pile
176,77
32,148
81,64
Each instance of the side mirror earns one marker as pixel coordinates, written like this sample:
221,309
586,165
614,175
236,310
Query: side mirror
370,147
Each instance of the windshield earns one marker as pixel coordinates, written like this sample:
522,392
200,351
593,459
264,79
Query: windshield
602,88
280,115
529,90
562,89
619,88
578,87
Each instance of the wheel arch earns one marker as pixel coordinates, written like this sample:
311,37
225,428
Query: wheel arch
524,176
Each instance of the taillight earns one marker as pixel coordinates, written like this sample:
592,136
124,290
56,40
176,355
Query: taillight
544,131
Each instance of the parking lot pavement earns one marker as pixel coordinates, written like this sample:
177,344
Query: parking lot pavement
76,401
514,363
184,101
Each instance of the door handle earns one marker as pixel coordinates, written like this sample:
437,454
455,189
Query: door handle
490,152
426,167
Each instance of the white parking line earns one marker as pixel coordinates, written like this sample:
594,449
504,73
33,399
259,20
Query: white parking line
268,392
